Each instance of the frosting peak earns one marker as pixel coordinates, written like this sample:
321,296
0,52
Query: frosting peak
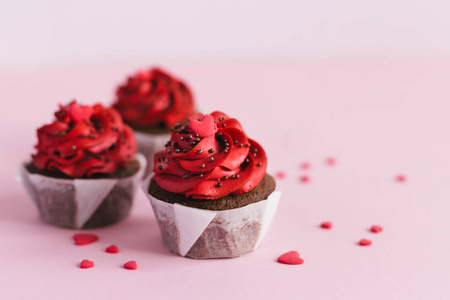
84,140
153,98
209,158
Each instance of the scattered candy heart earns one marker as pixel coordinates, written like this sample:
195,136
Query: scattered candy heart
112,249
290,258
365,242
376,228
84,238
330,161
131,265
326,225
86,264
280,175
305,166
304,179
202,125
401,178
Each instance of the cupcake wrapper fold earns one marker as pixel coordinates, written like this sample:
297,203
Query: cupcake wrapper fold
148,145
82,203
200,233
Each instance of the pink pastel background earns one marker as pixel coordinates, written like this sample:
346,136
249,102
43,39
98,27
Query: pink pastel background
378,118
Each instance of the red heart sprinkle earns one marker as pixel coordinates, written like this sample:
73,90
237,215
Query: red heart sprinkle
365,242
112,249
84,238
330,161
202,125
304,179
131,265
376,228
280,175
290,258
401,178
326,225
86,264
305,166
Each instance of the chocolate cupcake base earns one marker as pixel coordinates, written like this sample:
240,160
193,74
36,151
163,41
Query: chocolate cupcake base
204,233
82,203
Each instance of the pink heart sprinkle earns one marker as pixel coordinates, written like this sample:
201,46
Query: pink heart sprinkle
401,178
305,166
326,225
86,264
203,126
330,161
365,242
304,179
131,265
280,175
84,238
376,228
290,258
112,249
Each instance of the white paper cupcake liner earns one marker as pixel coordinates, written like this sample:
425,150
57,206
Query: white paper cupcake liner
82,203
148,145
200,233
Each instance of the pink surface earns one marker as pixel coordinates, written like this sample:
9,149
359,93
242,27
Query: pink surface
378,119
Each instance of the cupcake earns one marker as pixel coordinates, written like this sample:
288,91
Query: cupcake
151,102
210,191
85,172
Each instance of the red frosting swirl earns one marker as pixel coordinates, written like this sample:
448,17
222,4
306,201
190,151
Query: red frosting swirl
154,98
84,140
209,158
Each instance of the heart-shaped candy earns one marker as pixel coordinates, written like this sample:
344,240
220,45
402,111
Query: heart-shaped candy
112,249
202,125
84,238
86,264
131,265
326,225
365,242
376,228
290,258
